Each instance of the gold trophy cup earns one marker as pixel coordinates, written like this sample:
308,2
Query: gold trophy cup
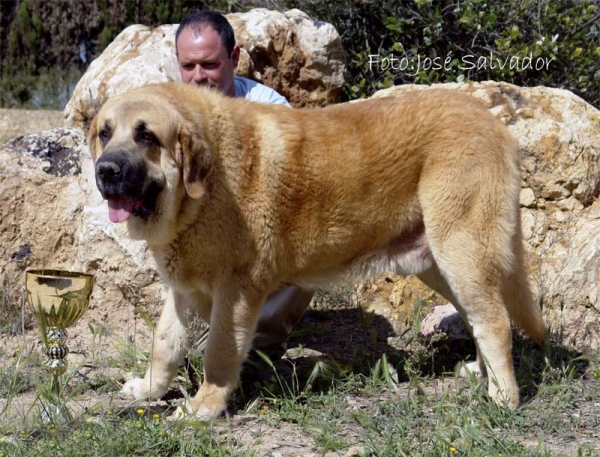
58,299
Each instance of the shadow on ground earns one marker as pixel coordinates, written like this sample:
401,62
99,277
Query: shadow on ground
343,341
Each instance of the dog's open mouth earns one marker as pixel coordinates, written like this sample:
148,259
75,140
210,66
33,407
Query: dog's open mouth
120,209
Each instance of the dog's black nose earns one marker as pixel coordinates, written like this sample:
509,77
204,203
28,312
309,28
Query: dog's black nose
108,170
120,174
114,167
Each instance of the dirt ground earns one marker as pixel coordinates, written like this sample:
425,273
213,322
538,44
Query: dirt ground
336,331
15,122
339,332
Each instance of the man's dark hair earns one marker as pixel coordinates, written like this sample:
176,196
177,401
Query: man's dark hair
217,21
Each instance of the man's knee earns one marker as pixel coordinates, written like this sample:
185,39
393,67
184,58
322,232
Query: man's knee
281,311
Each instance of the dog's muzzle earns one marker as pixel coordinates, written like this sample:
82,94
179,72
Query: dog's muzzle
117,175
123,181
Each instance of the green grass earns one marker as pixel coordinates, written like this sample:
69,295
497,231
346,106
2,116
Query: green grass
127,435
379,403
382,417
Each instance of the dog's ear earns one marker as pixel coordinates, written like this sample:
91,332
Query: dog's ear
91,128
196,162
92,137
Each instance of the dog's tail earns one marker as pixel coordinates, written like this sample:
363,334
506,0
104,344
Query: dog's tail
523,309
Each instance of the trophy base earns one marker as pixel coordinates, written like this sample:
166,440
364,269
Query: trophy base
55,414
53,405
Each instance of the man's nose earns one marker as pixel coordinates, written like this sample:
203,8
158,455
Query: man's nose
199,74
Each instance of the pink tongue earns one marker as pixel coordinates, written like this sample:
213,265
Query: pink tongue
119,209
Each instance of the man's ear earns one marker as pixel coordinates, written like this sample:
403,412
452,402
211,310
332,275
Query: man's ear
235,56
196,162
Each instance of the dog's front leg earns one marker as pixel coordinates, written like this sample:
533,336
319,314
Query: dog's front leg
233,321
168,349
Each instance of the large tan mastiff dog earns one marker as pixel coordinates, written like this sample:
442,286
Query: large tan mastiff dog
235,198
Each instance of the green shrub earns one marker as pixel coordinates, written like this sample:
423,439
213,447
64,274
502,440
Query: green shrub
471,40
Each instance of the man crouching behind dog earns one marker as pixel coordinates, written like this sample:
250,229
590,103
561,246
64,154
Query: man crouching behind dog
208,56
235,198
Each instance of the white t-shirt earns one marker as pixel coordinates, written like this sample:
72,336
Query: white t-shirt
256,92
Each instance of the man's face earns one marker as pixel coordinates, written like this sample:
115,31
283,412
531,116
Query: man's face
203,59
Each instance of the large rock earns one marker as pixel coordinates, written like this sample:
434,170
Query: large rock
52,215
559,136
301,58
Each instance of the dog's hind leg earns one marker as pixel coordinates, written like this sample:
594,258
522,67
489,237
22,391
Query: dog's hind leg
487,282
476,293
470,212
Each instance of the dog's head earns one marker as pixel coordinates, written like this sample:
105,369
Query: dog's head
148,159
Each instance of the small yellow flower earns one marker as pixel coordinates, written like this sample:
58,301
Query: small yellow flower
499,454
109,412
452,449
156,416
139,411
89,420
22,432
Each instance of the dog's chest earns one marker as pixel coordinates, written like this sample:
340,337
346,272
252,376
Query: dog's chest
178,268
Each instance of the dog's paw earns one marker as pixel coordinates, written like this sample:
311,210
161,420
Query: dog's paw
135,388
209,412
203,412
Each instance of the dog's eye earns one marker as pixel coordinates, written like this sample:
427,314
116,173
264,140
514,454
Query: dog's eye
146,136
104,136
